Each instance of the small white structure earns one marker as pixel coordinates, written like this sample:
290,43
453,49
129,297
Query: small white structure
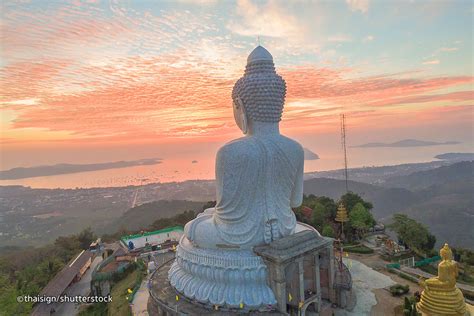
151,266
157,237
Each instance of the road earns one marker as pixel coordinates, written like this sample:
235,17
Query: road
140,301
134,202
83,288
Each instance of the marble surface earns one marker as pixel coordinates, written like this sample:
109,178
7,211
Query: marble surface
259,178
163,299
225,278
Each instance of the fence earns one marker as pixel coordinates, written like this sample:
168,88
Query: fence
411,263
427,261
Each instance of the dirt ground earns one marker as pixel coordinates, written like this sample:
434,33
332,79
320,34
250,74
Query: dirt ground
386,303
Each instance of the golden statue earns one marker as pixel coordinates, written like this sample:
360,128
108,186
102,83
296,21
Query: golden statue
440,295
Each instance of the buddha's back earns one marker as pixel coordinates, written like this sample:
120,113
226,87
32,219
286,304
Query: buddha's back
259,179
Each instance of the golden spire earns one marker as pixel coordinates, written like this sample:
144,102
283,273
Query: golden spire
341,215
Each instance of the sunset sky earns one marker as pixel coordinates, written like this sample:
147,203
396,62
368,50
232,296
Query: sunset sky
83,79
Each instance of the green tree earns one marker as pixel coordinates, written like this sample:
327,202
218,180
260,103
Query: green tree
350,200
67,246
328,231
324,207
412,233
319,216
429,245
86,237
360,219
330,207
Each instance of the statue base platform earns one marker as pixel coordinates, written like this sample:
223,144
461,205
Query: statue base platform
442,303
163,301
227,278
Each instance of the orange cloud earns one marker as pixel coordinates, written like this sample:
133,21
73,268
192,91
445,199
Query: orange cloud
149,98
115,74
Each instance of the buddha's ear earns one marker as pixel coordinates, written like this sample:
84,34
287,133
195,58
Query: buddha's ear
243,116
240,115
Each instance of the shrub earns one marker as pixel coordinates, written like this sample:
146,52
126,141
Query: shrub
398,289
359,249
409,307
328,231
408,277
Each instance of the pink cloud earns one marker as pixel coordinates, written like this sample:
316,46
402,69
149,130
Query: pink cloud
450,97
131,76
327,83
431,62
148,99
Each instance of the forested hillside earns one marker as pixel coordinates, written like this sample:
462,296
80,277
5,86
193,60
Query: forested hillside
441,198
141,216
461,171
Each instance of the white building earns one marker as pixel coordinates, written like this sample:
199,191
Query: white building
157,237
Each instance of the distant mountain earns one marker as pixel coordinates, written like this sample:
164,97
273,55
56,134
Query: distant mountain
424,179
447,208
406,143
51,170
376,175
456,156
309,155
445,201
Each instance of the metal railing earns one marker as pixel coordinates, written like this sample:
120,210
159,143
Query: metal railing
342,276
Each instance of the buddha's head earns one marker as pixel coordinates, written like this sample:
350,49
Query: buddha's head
446,253
260,94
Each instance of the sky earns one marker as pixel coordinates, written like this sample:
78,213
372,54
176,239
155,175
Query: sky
91,81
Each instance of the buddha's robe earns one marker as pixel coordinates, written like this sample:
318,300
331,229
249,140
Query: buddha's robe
259,179
447,274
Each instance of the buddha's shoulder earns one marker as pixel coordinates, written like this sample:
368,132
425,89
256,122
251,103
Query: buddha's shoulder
247,146
238,147
292,145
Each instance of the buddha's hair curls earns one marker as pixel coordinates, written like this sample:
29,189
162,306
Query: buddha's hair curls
262,92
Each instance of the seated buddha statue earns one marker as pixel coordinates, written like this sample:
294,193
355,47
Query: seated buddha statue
440,295
259,178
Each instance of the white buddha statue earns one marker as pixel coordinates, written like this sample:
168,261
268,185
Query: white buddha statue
259,178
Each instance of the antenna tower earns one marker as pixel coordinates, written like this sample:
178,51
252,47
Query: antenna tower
343,141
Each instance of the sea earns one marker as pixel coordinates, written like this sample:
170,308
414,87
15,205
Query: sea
201,167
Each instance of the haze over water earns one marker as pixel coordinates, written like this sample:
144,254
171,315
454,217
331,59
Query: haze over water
181,167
